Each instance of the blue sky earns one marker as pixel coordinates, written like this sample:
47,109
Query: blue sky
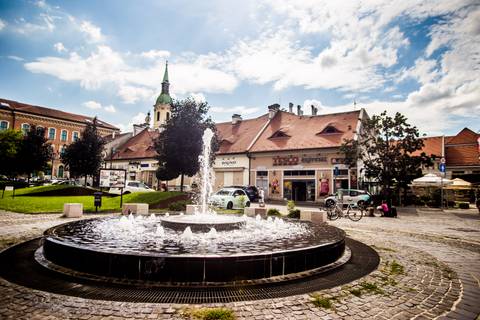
106,58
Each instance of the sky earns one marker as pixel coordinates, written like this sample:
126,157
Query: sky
107,58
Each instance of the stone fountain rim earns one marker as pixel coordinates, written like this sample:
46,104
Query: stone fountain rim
49,235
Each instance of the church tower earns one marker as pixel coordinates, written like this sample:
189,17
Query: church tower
161,109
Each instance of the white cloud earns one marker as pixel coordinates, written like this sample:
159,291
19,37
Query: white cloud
137,119
108,69
41,4
110,108
155,54
93,32
92,105
243,110
198,97
3,24
59,47
16,58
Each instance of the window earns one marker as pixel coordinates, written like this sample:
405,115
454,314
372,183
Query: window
238,193
75,136
51,133
62,149
168,116
3,125
330,129
299,172
60,171
64,135
40,130
133,184
158,115
262,173
279,134
25,128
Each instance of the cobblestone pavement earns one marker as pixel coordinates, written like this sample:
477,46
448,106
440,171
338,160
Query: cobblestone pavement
429,269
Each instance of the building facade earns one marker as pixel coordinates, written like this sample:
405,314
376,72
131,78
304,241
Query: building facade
61,128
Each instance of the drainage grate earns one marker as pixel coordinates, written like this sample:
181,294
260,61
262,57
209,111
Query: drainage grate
17,262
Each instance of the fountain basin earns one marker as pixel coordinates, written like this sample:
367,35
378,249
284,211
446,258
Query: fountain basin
79,246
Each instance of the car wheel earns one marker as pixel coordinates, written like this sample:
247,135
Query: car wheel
247,204
230,205
329,203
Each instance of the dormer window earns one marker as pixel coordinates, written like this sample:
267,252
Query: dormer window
279,134
329,130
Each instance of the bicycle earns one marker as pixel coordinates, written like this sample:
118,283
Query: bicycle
353,212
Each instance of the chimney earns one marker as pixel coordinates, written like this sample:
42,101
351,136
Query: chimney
272,110
314,110
299,110
290,107
236,118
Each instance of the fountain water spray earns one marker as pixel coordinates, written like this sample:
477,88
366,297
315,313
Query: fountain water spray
205,171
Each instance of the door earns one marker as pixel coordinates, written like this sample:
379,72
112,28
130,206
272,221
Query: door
299,190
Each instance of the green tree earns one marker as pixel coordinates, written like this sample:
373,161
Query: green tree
10,142
34,153
180,143
386,145
83,157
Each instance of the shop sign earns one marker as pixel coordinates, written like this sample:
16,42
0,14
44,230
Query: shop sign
292,160
228,163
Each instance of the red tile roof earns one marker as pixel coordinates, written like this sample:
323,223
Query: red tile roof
51,113
236,138
305,131
432,146
139,146
463,149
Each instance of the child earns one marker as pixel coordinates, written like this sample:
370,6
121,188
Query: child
383,208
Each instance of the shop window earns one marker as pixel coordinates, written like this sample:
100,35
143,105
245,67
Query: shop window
75,136
3,125
51,133
299,172
64,135
25,128
262,173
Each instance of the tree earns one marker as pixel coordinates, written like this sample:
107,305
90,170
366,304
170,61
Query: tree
10,142
180,143
34,153
84,156
386,145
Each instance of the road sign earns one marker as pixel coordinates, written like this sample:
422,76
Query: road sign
442,160
441,167
336,171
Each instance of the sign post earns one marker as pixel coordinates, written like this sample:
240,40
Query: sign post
114,178
442,168
336,172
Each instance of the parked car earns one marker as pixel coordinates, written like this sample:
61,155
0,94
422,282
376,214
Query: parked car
132,186
230,198
251,191
350,196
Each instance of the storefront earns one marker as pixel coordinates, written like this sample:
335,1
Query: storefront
231,170
301,176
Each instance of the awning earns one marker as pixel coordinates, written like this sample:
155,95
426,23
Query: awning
431,180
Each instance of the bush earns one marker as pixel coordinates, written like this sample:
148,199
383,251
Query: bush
290,205
212,314
178,206
273,212
464,205
294,214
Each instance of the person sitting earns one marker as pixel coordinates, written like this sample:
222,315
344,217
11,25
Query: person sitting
383,208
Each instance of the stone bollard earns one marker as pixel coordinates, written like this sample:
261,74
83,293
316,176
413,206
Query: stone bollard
315,216
135,208
191,208
252,212
72,210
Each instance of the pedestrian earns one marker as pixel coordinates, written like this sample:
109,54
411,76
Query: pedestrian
383,208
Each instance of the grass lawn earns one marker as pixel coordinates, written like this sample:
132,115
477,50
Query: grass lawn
35,204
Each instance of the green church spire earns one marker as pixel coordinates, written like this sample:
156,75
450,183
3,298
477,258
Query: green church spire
164,97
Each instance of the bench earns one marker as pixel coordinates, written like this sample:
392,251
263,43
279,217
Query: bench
72,210
252,212
315,216
135,208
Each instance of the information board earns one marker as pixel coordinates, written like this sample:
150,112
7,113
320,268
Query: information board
112,178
